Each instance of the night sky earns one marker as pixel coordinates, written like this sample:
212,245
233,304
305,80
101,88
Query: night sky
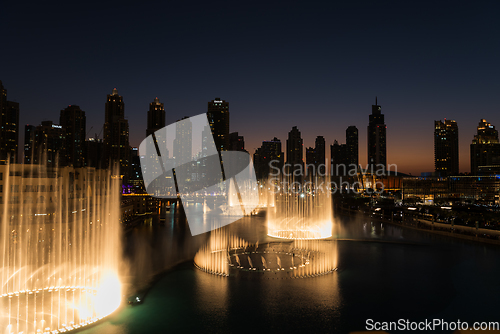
317,65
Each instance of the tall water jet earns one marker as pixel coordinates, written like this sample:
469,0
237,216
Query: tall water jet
302,210
213,257
60,243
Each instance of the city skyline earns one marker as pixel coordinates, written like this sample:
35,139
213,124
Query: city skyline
318,66
363,148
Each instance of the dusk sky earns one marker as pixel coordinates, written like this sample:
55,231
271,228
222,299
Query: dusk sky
316,65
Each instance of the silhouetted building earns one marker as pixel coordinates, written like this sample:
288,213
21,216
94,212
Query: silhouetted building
135,179
9,128
446,147
315,158
377,152
218,118
116,134
339,159
236,143
29,139
352,146
344,157
49,144
73,121
294,152
156,117
269,153
485,148
95,152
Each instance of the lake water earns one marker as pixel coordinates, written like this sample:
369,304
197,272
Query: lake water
386,273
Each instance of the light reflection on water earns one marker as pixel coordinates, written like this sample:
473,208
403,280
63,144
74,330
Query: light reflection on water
386,273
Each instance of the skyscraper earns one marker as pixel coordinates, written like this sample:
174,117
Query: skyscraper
339,159
9,128
49,144
377,152
116,134
446,147
218,118
73,121
352,146
156,117
485,147
269,152
294,152
315,158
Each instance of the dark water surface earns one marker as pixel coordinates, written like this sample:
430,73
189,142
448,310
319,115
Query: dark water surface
386,273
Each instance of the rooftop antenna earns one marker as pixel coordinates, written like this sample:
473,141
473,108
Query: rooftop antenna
376,101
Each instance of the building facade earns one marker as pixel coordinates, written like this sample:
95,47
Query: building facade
269,153
116,134
156,117
295,153
377,141
73,121
485,148
446,147
9,128
218,118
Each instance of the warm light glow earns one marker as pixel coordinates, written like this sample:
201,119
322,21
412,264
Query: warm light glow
108,297
300,216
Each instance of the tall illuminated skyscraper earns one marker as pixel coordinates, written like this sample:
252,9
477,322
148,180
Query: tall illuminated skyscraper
377,151
116,134
9,128
485,147
446,147
218,118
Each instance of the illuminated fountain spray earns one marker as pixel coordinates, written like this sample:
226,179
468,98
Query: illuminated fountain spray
227,255
213,257
60,244
301,211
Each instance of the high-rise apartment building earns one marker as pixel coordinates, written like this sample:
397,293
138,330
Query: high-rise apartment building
315,158
9,128
446,147
269,153
218,118
352,146
49,144
156,117
73,121
116,134
294,152
344,157
485,147
377,151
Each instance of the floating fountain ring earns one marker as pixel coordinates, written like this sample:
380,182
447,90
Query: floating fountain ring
298,259
79,297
